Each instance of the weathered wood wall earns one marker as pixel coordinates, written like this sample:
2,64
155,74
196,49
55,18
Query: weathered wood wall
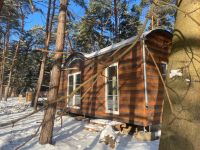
159,44
132,108
129,73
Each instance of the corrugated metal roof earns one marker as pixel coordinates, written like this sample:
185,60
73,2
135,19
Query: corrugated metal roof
118,45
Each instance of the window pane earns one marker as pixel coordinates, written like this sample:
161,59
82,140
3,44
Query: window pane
79,91
163,69
78,79
74,82
71,89
112,89
70,102
71,80
114,85
110,102
78,82
77,100
112,71
115,101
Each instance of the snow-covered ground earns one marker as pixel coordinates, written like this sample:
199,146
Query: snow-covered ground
71,136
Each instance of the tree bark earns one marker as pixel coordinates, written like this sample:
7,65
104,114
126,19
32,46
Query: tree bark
11,71
180,128
44,57
49,116
6,45
1,5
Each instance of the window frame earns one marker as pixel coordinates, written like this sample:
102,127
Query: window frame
166,65
74,87
106,90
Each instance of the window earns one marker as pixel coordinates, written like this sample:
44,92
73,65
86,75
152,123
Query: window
163,68
74,80
112,93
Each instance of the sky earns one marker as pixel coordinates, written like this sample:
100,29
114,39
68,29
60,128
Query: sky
39,19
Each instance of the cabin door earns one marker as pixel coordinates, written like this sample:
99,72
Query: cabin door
112,93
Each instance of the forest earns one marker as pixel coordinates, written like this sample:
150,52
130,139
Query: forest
41,43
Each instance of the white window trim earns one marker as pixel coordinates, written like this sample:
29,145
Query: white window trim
74,83
106,94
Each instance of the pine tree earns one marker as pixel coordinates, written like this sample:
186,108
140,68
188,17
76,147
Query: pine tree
163,15
94,27
14,58
129,21
48,30
27,65
49,116
98,26
11,21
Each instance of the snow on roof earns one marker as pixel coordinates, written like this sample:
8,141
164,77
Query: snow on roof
118,45
110,48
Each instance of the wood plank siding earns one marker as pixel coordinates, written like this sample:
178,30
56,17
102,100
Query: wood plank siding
132,107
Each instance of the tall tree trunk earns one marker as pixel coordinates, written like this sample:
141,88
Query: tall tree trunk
1,5
49,116
181,122
11,71
2,75
6,45
44,57
14,58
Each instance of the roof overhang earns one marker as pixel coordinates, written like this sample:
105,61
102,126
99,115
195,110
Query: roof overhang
123,43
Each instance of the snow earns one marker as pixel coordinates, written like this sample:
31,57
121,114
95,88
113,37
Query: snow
111,48
72,136
108,131
13,107
119,45
105,122
93,127
174,73
158,133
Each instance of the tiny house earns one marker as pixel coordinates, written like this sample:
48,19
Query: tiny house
128,90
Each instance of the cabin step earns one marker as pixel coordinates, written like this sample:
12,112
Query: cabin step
103,122
93,127
147,136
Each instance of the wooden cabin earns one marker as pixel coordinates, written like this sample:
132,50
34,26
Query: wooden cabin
127,90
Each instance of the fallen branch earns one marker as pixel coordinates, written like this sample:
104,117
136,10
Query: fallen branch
49,51
12,122
32,136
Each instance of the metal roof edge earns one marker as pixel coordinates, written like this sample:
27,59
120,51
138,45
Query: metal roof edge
120,44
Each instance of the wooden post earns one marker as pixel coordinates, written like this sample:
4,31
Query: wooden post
20,98
152,22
